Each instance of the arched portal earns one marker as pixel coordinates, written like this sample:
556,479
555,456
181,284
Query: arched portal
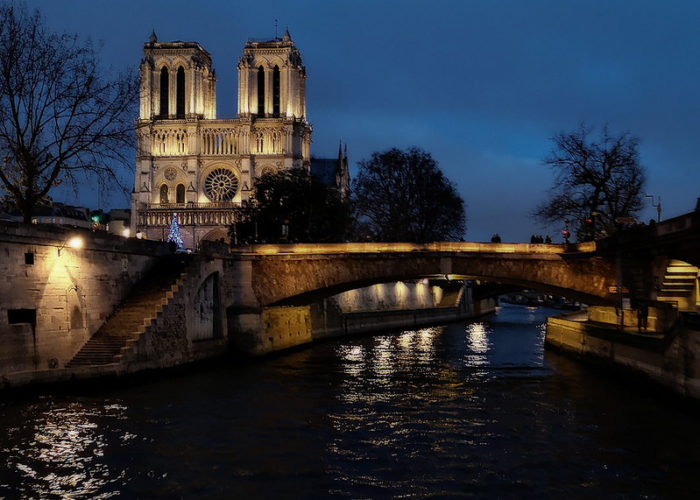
217,234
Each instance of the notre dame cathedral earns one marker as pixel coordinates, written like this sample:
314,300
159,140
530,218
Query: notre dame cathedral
199,167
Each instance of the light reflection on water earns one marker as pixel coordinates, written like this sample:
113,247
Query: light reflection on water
63,451
473,409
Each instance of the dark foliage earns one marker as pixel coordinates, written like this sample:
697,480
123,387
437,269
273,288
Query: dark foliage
290,206
597,182
404,196
59,118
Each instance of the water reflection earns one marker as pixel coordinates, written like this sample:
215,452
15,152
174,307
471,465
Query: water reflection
384,416
477,345
59,451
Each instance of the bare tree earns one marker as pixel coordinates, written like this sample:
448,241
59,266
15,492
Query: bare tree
597,182
60,120
404,196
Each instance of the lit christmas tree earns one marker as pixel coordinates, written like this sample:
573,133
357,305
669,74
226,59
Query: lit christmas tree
174,233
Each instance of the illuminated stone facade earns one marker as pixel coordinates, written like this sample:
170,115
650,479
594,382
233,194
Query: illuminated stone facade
191,163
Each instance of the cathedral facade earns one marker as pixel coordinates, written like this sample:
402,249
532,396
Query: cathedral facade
198,167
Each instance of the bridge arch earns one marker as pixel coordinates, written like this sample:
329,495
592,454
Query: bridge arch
289,278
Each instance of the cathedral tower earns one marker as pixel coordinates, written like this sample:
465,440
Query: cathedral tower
177,81
272,80
199,167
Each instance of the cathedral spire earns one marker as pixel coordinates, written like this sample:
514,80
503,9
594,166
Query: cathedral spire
153,38
286,37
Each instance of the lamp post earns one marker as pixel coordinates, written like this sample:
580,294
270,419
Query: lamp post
565,232
657,206
72,242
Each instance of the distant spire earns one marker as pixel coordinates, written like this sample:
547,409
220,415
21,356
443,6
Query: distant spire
153,38
340,150
286,37
346,151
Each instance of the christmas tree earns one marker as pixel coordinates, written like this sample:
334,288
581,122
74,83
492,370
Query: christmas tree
174,233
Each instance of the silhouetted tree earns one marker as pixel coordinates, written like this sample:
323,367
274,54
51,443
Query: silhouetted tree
290,206
597,181
404,196
58,116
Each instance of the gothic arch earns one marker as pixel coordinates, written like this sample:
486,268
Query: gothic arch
76,311
164,92
261,90
163,194
180,93
276,91
180,193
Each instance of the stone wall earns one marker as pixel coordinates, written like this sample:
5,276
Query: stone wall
385,296
672,360
400,305
191,327
51,304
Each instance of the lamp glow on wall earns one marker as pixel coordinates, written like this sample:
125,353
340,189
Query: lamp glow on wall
72,242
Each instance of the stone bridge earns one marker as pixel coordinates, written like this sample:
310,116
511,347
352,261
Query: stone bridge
302,273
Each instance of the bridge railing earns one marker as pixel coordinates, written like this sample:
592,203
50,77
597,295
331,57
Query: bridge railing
442,246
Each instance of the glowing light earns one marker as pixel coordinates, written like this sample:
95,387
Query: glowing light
75,242
72,242
126,232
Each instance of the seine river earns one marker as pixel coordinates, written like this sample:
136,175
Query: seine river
476,409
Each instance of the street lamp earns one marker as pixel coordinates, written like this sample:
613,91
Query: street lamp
657,206
72,242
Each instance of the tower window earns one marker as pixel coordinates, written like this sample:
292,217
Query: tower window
180,193
261,91
29,258
276,92
164,92
164,193
180,104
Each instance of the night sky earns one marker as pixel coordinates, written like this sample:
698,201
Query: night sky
481,85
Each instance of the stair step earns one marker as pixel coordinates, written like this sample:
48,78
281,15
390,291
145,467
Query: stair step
134,315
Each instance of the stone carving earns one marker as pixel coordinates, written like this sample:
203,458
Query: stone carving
170,173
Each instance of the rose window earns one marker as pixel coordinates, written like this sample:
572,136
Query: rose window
170,173
221,185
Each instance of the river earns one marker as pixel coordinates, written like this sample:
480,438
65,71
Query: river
474,409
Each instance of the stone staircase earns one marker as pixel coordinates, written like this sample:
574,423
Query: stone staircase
678,284
131,319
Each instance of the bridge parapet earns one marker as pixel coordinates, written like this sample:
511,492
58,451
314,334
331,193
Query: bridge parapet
436,247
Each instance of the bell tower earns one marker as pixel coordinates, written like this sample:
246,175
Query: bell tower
272,80
177,81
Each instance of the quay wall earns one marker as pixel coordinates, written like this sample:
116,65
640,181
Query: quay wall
671,359
52,302
354,312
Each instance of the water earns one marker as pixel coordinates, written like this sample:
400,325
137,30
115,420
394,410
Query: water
468,410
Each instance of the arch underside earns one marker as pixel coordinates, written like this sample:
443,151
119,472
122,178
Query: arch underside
285,280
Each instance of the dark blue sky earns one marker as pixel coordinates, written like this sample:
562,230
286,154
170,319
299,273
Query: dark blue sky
481,85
